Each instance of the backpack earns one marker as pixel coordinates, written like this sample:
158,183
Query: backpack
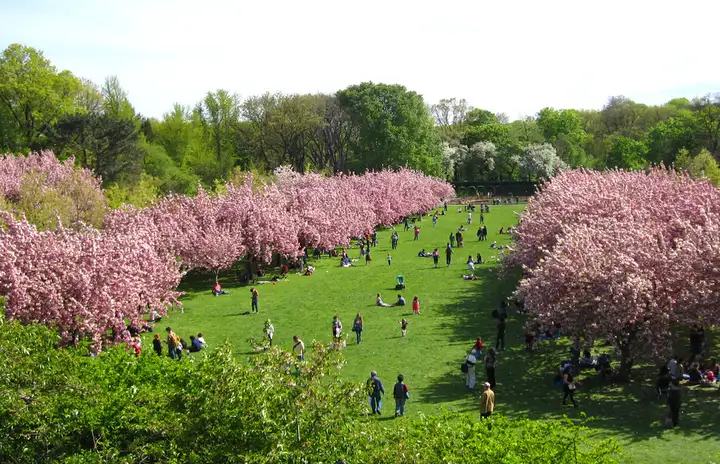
464,367
374,384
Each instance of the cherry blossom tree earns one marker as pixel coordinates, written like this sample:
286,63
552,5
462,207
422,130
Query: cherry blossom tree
621,256
86,283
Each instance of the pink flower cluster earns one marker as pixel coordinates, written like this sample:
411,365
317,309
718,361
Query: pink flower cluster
14,167
622,256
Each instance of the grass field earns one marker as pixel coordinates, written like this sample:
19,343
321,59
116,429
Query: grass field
454,313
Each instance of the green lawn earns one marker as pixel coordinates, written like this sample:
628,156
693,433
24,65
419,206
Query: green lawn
454,313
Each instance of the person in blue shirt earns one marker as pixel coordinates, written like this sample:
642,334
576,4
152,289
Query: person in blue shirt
195,344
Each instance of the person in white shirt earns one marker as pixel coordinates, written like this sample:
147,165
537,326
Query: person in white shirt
470,375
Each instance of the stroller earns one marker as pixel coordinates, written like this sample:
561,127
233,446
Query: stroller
400,283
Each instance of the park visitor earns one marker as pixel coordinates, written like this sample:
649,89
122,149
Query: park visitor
482,218
470,361
358,327
195,345
416,305
478,346
452,240
403,326
201,340
336,328
367,255
470,263
269,331
490,361
380,302
217,290
448,254
157,344
401,394
254,300
435,257
394,240
173,342
569,386
400,301
479,233
417,233
375,392
389,259
674,401
298,348
469,221
487,401
501,329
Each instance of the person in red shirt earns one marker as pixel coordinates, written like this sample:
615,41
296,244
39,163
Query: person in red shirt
416,305
417,233
478,345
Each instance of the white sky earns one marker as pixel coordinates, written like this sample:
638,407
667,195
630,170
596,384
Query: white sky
506,56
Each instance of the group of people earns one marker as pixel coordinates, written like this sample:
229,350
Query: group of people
176,346
400,302
376,390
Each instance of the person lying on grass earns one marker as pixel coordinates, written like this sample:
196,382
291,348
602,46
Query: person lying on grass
469,277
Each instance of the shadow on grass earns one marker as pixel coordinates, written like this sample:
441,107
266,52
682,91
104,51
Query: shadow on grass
526,380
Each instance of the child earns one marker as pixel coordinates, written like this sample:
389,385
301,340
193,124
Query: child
269,331
389,259
416,305
403,326
201,339
367,256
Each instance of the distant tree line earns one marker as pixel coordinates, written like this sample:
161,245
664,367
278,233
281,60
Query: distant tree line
365,126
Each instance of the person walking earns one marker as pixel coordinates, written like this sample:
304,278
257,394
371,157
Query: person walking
470,360
436,257
435,218
375,392
569,386
298,348
452,239
673,402
336,328
367,256
448,254
269,331
389,258
157,344
403,326
416,306
401,394
490,361
469,221
406,222
394,240
358,327
482,218
254,300
487,401
173,342
417,233
501,329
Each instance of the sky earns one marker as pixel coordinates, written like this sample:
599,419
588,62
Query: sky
512,56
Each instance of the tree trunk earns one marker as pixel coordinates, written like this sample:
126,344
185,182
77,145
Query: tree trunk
626,363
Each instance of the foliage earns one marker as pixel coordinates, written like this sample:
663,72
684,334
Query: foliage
60,406
614,256
701,166
539,162
395,128
48,192
33,96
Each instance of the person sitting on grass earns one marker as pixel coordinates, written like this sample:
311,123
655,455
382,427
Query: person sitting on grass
379,302
400,301
470,263
283,271
493,244
478,259
195,344
422,253
469,277
309,271
217,290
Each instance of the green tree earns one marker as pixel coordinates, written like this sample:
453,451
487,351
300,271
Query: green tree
627,153
394,127
563,129
701,166
667,138
106,144
218,114
33,96
707,116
